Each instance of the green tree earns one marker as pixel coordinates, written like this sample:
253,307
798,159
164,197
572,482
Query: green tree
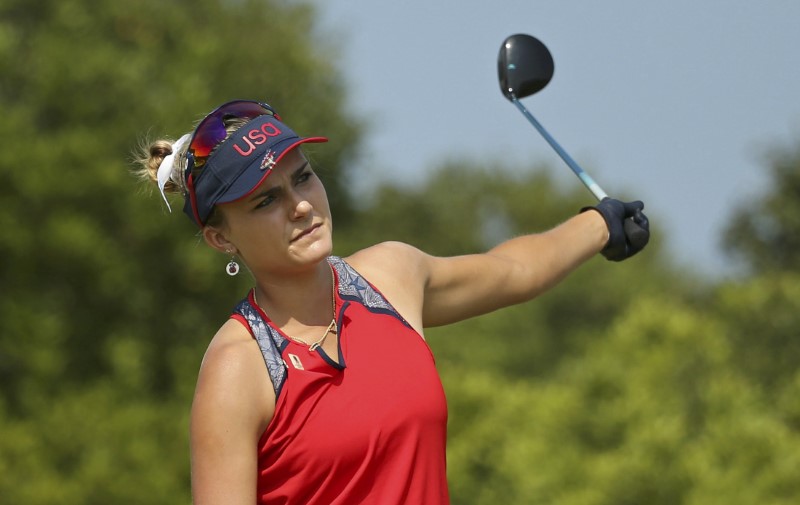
107,302
764,308
765,230
654,411
764,318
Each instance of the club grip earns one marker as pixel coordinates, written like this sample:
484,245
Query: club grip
636,230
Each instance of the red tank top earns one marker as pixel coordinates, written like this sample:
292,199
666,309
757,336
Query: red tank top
368,430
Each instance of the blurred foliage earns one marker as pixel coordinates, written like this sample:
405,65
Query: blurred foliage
107,303
765,231
629,383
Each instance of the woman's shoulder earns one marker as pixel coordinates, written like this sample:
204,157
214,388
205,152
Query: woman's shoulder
397,270
389,262
231,334
232,346
229,364
230,360
387,255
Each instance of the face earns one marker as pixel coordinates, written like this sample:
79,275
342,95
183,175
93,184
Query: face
284,225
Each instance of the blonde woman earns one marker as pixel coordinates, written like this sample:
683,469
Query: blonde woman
320,388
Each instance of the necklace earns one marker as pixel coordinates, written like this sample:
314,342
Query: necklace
331,327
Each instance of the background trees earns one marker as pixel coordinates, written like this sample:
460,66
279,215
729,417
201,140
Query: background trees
627,384
105,299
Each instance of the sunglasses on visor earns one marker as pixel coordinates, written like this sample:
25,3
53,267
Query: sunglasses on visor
213,129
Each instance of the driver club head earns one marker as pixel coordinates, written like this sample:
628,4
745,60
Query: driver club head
524,66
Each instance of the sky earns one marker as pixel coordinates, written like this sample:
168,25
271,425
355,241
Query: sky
675,103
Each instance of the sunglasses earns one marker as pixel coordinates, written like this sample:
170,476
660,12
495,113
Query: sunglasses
212,129
209,133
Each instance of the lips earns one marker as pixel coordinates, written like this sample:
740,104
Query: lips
305,232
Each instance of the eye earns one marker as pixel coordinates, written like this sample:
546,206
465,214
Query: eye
268,199
303,177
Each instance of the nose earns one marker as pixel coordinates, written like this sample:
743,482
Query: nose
302,207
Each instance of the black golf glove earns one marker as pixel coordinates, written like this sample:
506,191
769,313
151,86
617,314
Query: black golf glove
628,227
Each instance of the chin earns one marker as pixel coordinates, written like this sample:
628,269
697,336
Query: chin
314,253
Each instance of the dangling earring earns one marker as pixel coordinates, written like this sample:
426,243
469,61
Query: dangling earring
232,268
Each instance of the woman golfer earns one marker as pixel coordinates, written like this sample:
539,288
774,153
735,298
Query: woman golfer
320,389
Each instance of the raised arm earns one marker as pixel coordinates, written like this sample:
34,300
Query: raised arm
513,272
522,268
433,291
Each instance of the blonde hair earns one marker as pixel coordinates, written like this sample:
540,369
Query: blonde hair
151,154
149,158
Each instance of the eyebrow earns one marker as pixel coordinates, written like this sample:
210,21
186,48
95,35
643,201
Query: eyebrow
275,189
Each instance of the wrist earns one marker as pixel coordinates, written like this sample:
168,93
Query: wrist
599,228
595,229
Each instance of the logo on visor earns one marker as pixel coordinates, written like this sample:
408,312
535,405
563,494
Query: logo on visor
269,160
255,138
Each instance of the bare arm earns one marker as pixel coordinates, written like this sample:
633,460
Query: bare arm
229,413
433,291
513,272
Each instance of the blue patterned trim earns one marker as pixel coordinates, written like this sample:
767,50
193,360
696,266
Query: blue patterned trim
352,286
269,341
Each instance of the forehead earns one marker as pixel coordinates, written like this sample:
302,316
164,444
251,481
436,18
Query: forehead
290,161
286,167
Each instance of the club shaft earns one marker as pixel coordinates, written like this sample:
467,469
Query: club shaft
585,178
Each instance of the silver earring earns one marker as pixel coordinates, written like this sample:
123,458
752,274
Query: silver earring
232,268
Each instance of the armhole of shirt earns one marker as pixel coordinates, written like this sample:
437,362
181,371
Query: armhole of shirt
269,343
355,287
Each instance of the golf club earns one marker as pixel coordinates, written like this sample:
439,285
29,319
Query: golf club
525,66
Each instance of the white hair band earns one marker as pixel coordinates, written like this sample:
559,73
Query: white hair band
168,164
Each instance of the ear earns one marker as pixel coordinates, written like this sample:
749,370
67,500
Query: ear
216,238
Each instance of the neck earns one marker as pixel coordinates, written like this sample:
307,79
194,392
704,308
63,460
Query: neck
304,298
